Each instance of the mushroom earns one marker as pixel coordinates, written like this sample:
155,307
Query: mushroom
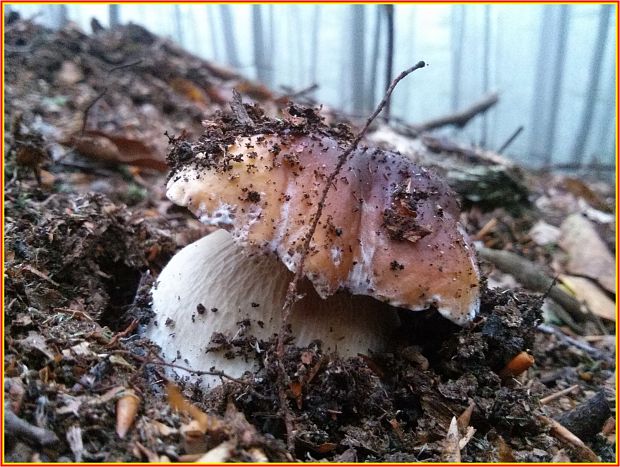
211,295
388,238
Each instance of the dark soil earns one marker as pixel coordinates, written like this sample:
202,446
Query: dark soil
84,245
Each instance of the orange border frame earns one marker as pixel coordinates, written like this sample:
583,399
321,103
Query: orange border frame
2,119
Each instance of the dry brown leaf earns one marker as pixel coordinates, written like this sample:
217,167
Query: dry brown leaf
126,410
587,253
465,417
595,299
581,190
255,90
218,454
609,430
326,447
296,390
189,90
204,421
47,178
163,429
221,72
110,148
504,451
219,95
150,455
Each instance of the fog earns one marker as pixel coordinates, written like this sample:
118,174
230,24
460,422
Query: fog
553,65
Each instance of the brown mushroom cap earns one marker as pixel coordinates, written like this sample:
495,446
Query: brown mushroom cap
389,227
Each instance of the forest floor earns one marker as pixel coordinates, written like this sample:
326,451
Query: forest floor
88,229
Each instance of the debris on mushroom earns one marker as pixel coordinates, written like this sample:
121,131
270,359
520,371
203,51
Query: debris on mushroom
389,228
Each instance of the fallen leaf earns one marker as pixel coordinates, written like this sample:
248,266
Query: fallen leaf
255,90
204,421
504,451
296,390
150,455
221,72
587,253
544,234
595,299
47,178
469,434
163,429
189,90
35,341
578,188
126,410
218,454
69,73
110,148
450,451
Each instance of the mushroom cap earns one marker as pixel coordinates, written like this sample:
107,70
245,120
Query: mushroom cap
389,228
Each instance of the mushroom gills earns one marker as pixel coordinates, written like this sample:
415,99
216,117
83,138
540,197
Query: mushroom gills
212,287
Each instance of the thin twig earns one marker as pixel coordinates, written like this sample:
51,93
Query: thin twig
292,295
90,106
560,432
594,353
462,118
147,360
556,395
509,141
102,93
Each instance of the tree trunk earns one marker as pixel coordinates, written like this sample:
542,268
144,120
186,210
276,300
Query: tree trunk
114,15
539,102
262,68
557,80
210,10
486,65
178,24
389,59
229,36
62,15
371,94
316,19
590,104
458,36
357,62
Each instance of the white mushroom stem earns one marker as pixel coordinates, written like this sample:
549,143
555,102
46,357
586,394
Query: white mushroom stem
210,287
